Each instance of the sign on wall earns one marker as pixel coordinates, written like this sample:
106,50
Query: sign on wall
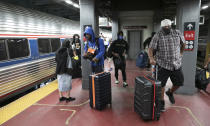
189,35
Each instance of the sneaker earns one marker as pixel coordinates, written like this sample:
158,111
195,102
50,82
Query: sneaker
116,82
70,99
125,84
162,107
62,99
170,96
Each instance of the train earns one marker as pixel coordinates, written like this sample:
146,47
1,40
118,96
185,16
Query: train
28,42
203,51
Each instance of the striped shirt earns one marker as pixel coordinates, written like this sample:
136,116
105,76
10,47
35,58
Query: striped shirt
167,48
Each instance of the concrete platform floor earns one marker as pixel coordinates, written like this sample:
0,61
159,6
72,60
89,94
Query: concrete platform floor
187,111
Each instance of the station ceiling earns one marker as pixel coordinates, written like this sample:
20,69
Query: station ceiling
162,8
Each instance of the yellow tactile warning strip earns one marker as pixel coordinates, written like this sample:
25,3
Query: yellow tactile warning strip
190,112
9,111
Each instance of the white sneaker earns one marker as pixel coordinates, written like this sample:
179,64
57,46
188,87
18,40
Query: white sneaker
116,82
125,84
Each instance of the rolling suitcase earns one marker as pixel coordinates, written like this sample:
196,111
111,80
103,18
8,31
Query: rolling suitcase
100,90
147,97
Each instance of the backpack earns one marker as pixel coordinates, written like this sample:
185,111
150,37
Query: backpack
201,82
142,59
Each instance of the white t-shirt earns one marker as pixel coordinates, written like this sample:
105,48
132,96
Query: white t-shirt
106,43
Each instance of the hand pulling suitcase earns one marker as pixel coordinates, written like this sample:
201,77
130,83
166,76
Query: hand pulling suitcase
100,90
147,97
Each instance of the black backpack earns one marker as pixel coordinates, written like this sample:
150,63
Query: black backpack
201,82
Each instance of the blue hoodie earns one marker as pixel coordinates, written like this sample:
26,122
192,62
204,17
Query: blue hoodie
92,44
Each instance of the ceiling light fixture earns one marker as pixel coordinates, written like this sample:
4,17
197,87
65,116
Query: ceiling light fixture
69,2
76,5
72,3
205,7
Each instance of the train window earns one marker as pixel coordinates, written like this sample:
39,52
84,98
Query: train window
44,46
18,48
55,43
3,51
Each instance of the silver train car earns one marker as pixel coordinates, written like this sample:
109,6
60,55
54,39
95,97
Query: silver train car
28,42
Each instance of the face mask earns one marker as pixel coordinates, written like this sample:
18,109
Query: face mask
120,37
166,30
77,39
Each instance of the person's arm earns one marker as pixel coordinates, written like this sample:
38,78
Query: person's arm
85,50
151,57
153,46
182,42
182,48
102,49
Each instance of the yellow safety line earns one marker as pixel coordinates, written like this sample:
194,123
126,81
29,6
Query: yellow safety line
9,111
68,119
53,105
190,112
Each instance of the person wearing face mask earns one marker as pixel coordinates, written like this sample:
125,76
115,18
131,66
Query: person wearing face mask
119,48
76,43
94,50
168,45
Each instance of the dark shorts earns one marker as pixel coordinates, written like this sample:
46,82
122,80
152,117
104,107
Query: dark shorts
176,76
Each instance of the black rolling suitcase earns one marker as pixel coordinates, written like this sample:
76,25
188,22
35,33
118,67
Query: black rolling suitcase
100,90
147,97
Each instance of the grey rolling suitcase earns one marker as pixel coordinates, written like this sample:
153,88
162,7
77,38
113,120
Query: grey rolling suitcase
147,97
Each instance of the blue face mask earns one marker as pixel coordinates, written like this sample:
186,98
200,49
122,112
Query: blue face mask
120,37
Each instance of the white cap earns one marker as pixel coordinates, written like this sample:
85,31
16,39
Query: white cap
166,22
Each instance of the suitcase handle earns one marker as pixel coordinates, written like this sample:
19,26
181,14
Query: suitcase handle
93,88
153,109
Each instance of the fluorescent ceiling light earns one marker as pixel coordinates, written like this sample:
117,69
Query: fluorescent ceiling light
205,7
69,2
76,5
72,3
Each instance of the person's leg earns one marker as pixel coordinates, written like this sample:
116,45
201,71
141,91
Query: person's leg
60,94
177,79
116,75
61,98
124,75
69,98
163,76
68,94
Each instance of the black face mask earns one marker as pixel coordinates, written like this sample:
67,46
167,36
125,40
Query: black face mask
76,39
166,30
